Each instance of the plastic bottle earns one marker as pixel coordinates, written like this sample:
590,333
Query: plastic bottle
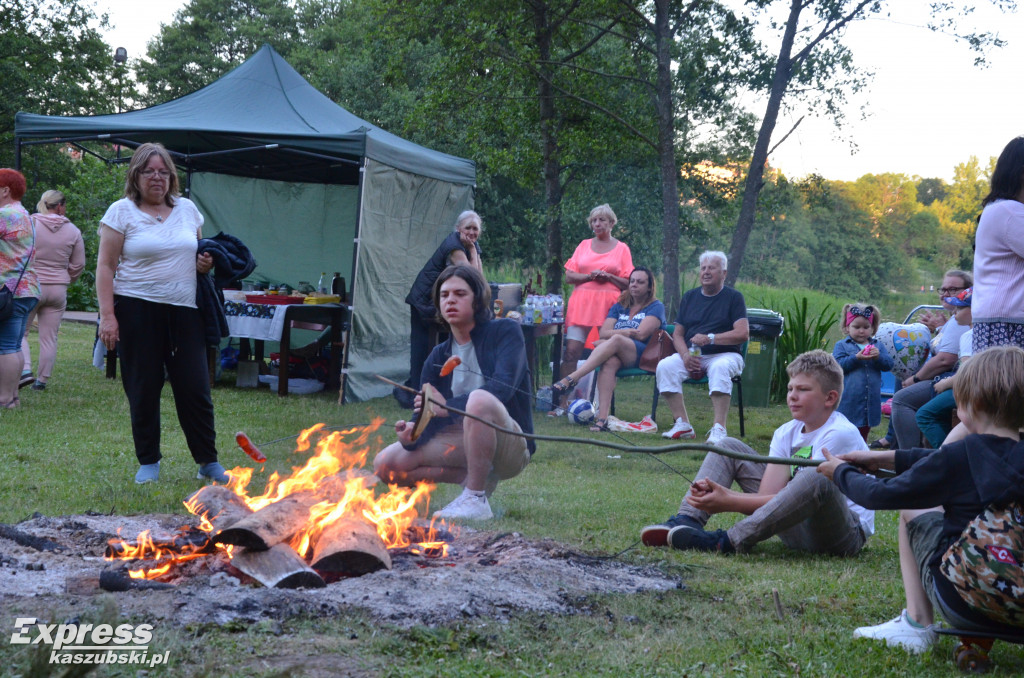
321,286
695,350
336,284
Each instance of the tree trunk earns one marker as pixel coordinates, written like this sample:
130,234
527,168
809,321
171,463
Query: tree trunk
755,174
550,151
667,159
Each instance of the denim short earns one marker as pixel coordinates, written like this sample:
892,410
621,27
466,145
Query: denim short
13,329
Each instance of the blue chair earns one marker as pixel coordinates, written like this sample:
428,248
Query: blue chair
637,372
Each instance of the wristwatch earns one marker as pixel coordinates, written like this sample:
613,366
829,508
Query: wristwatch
711,338
915,379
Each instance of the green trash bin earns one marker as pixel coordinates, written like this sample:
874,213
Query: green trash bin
765,330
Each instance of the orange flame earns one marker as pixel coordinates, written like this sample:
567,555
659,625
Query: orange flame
335,468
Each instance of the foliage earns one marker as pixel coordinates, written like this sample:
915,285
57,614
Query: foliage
207,38
810,323
815,71
92,190
53,61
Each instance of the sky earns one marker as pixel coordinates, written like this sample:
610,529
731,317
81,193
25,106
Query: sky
928,107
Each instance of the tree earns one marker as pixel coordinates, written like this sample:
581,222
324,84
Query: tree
53,61
812,56
207,39
931,189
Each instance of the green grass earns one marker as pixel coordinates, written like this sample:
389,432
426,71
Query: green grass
68,450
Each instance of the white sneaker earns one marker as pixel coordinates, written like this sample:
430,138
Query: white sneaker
466,507
899,632
716,434
681,429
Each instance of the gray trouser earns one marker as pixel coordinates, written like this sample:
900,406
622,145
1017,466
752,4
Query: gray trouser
905,404
808,514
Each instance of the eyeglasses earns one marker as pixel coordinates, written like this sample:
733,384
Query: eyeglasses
163,174
949,291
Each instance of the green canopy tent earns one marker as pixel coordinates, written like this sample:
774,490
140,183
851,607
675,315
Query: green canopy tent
308,186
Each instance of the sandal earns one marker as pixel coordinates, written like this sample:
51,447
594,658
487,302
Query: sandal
599,425
880,444
561,388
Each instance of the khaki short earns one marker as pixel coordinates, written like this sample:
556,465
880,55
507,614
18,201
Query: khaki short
510,454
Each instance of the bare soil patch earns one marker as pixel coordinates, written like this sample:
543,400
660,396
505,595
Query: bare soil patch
487,575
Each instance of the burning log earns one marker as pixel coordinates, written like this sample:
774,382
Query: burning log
270,525
117,580
279,567
350,546
147,545
219,505
277,522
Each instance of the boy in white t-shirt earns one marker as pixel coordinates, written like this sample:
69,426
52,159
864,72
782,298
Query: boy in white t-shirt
778,499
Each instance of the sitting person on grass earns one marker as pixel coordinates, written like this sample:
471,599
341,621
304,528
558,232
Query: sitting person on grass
795,503
631,323
941,491
492,382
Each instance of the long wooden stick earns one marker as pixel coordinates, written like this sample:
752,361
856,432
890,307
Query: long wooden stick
657,449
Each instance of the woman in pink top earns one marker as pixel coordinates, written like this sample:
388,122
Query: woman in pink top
599,268
60,259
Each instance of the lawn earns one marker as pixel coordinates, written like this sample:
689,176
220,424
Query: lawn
68,450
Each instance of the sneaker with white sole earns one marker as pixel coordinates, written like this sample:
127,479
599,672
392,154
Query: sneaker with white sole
689,538
680,430
899,632
214,472
657,535
466,507
147,473
717,434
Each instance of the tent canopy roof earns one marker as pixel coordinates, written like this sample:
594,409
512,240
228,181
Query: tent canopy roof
263,120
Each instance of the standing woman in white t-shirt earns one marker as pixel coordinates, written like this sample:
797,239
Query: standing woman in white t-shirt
146,285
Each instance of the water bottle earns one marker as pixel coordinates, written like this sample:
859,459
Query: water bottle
695,350
321,286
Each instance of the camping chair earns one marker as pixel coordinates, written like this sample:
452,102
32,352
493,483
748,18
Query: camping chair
637,372
737,383
975,637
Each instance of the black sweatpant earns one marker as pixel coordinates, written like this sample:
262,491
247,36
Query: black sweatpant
154,337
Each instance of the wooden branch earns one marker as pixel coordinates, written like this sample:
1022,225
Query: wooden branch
350,546
791,130
279,567
660,449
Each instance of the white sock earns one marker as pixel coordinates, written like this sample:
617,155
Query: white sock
474,493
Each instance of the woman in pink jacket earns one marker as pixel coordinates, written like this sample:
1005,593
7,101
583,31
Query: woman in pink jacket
60,259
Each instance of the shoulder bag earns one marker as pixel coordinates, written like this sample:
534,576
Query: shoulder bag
6,296
658,348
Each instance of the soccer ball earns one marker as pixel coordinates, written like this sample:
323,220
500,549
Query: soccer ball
581,411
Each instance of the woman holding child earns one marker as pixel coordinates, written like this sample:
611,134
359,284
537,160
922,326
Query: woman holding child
632,321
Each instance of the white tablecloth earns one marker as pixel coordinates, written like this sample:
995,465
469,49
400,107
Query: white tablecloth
255,321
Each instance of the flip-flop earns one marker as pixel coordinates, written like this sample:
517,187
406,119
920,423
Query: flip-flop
599,425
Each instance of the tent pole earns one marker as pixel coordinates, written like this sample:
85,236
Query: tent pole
17,153
352,287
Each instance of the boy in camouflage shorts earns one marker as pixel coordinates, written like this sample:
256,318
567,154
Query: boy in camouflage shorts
963,477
